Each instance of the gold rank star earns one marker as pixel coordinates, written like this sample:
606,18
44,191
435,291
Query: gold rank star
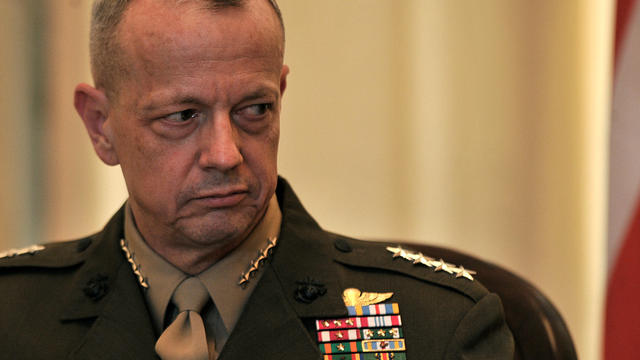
443,266
397,251
31,250
465,273
244,279
418,258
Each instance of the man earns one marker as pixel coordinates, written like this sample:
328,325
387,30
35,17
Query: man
187,100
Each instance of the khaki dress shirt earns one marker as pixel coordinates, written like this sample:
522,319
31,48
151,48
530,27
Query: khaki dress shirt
221,279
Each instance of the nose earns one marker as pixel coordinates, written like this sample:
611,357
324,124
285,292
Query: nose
219,144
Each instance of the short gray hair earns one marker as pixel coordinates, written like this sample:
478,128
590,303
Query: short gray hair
106,66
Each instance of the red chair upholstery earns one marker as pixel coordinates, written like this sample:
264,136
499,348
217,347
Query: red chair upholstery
537,326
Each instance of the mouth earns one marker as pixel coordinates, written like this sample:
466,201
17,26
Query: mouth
221,199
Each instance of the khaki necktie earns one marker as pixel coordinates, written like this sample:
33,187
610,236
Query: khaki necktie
185,338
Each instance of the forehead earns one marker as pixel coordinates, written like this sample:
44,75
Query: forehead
166,43
171,22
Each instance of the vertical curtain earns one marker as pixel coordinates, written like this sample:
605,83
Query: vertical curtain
622,324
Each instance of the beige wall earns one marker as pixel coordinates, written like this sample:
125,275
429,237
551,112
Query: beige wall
81,192
15,142
477,125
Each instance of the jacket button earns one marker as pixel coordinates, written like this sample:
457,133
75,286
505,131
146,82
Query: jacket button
342,245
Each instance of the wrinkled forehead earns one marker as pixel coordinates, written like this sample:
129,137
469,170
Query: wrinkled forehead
203,21
187,48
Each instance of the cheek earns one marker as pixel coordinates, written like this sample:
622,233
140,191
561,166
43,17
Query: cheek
152,166
263,147
261,157
143,153
275,136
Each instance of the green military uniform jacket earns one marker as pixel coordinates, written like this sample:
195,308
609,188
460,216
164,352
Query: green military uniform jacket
81,300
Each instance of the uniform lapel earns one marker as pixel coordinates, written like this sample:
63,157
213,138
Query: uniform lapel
269,328
274,325
105,291
123,328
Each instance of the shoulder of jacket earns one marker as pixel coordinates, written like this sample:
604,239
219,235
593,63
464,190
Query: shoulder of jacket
404,262
49,255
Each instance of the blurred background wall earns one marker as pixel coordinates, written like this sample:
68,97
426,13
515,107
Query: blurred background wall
478,125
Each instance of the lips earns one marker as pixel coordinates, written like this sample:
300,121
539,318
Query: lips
221,199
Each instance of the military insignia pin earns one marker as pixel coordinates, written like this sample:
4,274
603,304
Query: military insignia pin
372,329
29,250
418,258
355,297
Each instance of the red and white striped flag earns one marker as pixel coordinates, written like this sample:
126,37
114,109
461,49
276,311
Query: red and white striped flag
622,323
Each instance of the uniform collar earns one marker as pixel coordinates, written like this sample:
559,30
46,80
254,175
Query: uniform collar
119,307
221,279
273,321
161,276
306,255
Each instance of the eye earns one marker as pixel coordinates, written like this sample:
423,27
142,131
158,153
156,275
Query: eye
182,116
256,110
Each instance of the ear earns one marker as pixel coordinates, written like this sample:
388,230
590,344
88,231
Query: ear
283,78
93,107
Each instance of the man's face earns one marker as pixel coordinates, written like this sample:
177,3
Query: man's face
195,124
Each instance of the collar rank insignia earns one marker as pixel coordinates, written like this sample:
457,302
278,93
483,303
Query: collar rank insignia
371,331
418,258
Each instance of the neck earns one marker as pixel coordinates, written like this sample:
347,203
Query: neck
195,260
193,256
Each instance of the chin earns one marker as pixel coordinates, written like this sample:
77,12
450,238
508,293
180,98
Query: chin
214,229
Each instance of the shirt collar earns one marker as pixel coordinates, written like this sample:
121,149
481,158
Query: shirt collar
221,279
161,275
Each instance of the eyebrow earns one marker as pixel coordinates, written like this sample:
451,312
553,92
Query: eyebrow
260,93
177,100
154,105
